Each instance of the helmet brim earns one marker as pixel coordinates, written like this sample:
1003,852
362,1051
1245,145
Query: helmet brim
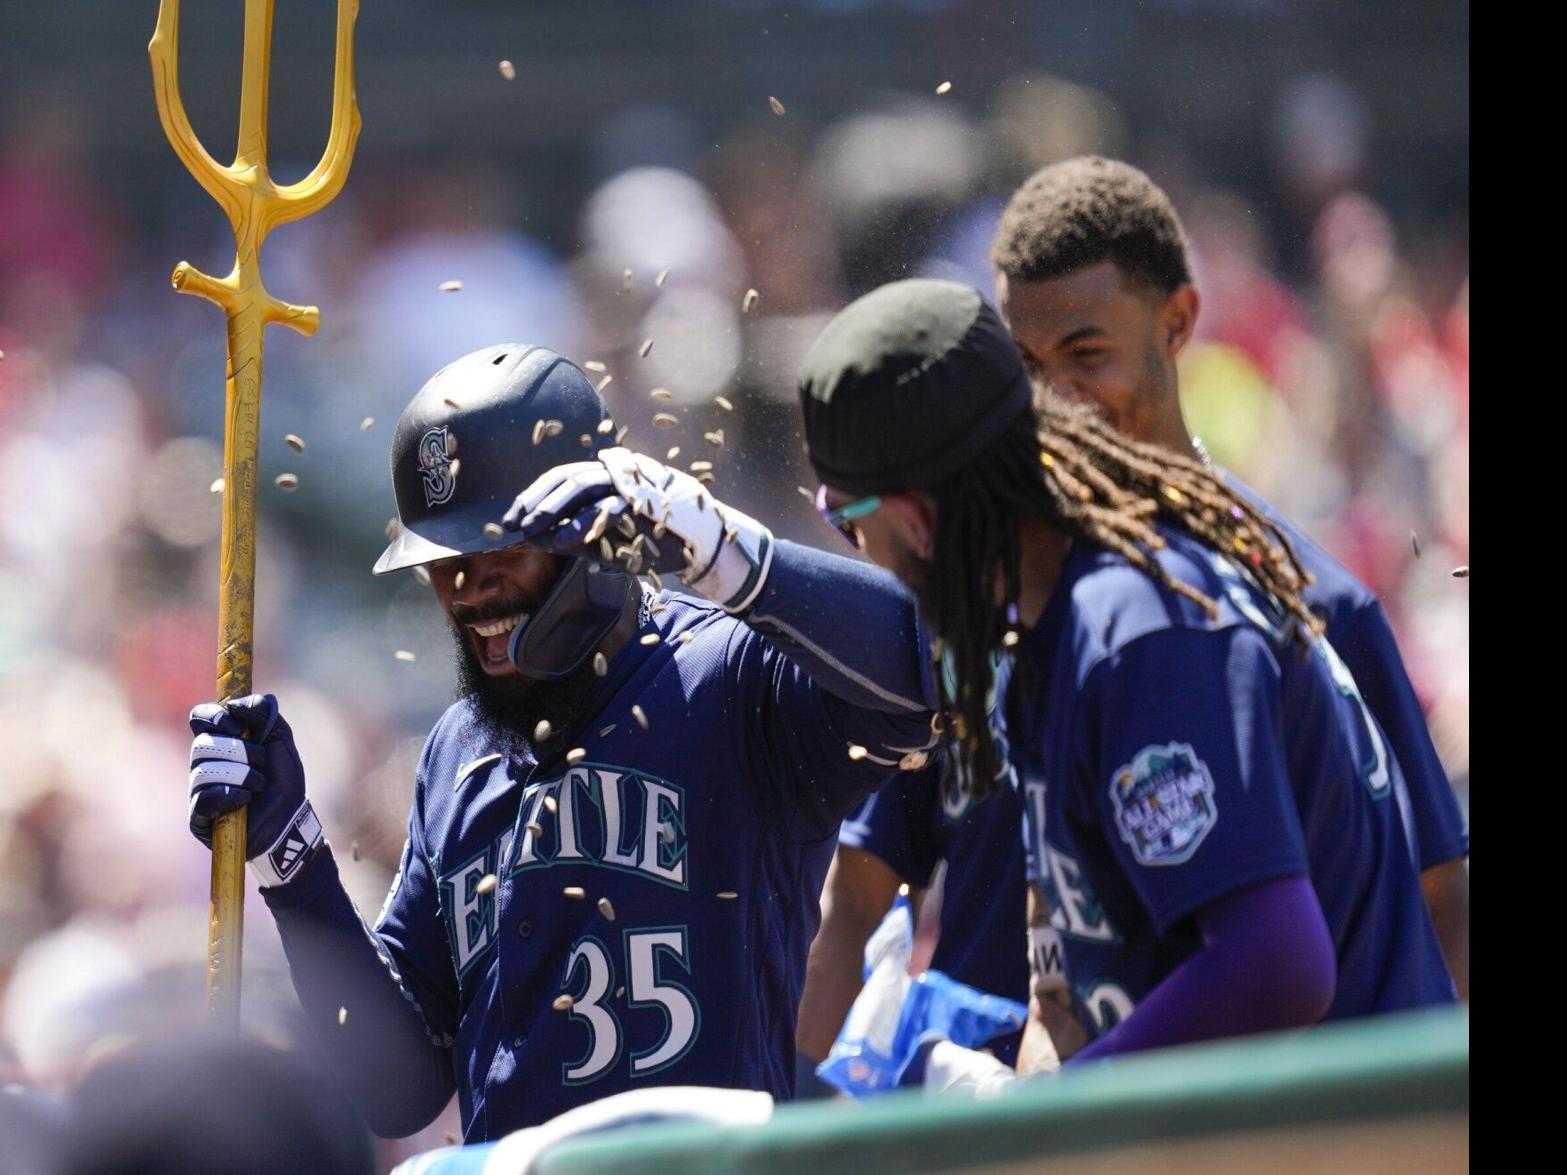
459,533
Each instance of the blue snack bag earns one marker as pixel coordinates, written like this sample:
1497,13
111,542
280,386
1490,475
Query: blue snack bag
894,1012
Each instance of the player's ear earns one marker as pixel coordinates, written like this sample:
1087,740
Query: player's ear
913,518
1178,319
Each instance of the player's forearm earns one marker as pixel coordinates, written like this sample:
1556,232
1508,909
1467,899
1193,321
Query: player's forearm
1446,889
853,627
1267,964
396,1069
833,978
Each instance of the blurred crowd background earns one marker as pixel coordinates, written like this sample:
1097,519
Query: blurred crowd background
1317,151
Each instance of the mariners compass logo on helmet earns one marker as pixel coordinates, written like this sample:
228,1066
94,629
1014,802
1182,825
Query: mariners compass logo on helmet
437,467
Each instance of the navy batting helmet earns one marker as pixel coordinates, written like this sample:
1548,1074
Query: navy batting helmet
479,431
477,434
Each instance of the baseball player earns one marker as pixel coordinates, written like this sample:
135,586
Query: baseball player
619,831
1214,837
1093,279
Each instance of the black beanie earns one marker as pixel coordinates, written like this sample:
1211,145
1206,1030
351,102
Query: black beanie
907,385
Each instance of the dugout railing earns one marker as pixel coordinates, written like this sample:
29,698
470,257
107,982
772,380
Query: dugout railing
1389,1094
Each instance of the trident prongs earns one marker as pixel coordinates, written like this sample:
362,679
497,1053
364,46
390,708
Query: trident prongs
255,206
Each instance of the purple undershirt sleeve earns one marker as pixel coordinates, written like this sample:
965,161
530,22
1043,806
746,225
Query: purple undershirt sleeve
1267,963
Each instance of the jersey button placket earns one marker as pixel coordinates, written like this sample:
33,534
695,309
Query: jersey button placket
525,928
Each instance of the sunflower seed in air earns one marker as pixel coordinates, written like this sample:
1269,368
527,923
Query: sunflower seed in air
563,1003
805,493
404,655
534,827
1010,638
663,276
452,404
575,892
450,1138
620,435
217,486
493,530
857,752
607,908
606,550
778,107
626,526
600,664
728,895
686,637
604,732
701,467
660,393
487,884
1461,572
392,528
422,575
604,383
542,732
647,345
748,303
458,580
450,287
944,88
295,442
650,639
1414,542
367,424
342,1016
508,70
287,481
715,438
606,426
538,430
454,467
641,718
594,366
664,420
724,403
551,805
625,279
353,850
576,755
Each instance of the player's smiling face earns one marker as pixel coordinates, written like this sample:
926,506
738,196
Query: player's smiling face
487,595
1092,337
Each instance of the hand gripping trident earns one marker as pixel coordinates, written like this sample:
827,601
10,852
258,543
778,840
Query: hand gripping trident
255,206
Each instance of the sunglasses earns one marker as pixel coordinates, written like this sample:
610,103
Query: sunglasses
842,519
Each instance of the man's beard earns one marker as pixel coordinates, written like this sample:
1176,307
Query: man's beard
509,708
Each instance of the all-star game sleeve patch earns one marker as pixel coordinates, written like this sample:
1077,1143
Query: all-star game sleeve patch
1164,804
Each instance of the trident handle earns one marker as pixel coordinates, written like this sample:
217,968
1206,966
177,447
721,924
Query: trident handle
255,206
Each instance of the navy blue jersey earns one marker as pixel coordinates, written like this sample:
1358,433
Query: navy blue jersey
1359,632
641,914
1168,759
915,822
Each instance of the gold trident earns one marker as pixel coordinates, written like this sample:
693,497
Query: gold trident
255,206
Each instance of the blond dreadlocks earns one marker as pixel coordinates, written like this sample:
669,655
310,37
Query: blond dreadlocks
1063,463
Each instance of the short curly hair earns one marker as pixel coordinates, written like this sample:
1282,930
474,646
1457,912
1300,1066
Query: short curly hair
1082,211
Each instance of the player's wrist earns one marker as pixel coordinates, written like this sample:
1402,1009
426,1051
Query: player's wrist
734,574
292,851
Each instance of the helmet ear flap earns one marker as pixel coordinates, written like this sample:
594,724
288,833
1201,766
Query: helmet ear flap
589,605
